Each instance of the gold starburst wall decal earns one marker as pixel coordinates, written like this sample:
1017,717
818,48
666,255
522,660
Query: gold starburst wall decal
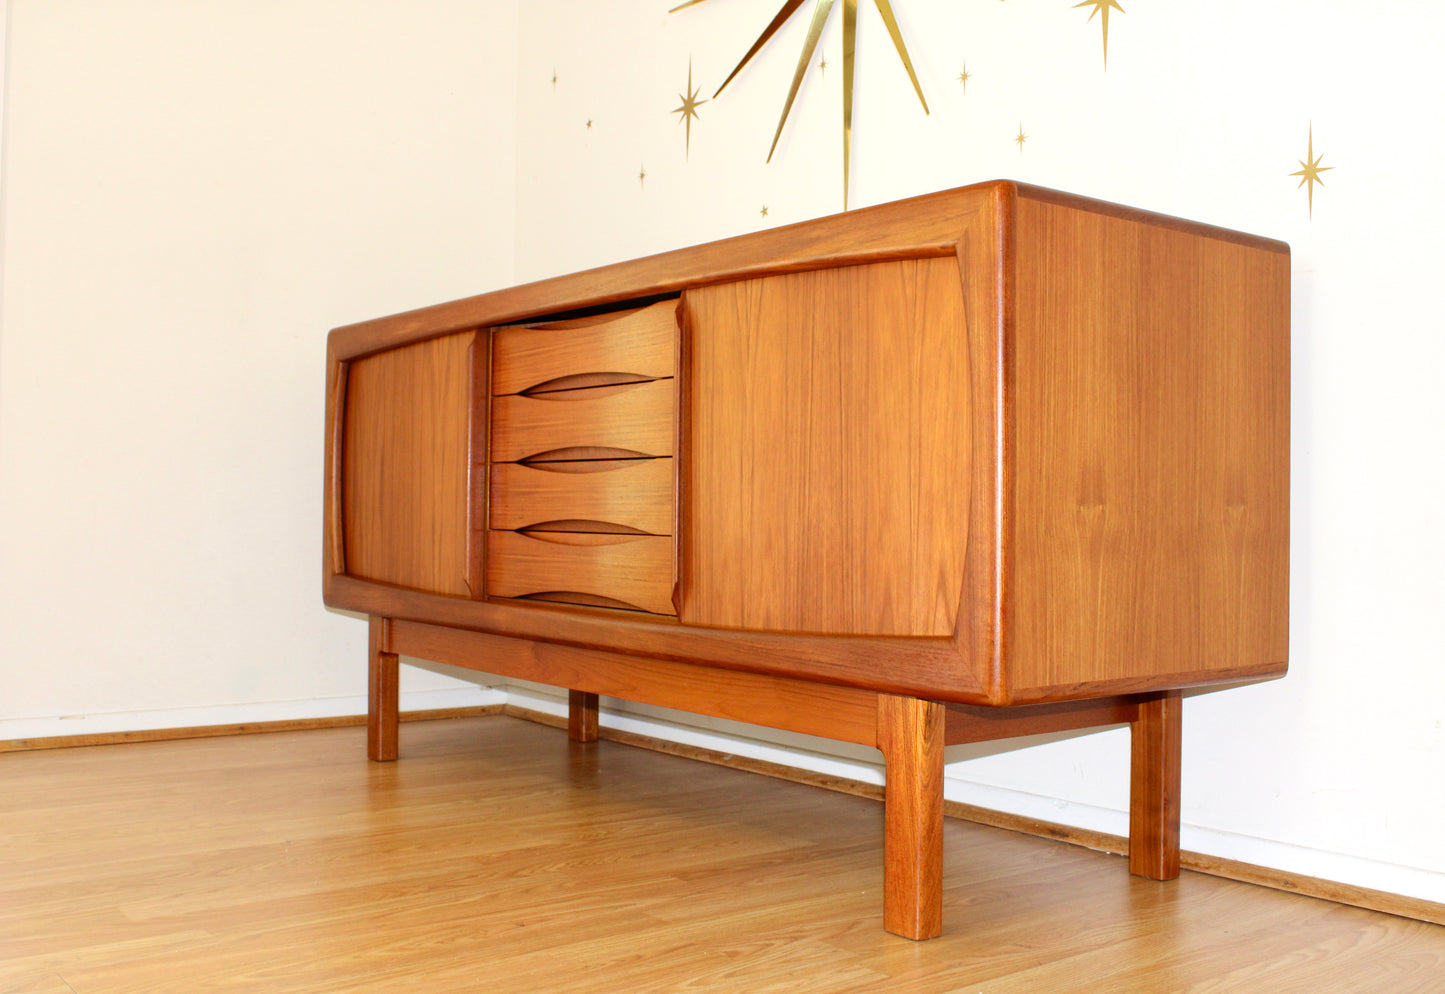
1102,8
688,110
822,9
1020,138
1310,171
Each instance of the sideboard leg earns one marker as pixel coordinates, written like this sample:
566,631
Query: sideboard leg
581,716
910,734
383,693
1155,755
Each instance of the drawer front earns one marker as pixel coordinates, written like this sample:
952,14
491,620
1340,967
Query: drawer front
631,493
636,418
610,570
639,344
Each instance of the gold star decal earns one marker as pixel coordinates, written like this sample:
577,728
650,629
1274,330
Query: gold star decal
690,104
554,81
821,12
641,175
823,66
1102,7
1021,138
965,76
589,124
1310,173
764,211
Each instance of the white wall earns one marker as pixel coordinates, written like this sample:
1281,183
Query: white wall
195,192
1203,111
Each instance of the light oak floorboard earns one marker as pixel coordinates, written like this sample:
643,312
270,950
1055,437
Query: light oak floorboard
497,855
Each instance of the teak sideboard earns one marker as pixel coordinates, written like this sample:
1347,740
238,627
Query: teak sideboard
984,463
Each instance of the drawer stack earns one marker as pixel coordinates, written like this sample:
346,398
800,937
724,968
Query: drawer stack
584,429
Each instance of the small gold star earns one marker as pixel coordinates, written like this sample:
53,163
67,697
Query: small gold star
823,65
764,211
641,175
965,76
589,124
690,104
554,81
1311,172
1021,138
1102,7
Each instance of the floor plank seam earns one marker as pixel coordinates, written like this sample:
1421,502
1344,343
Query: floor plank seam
1260,876
1335,892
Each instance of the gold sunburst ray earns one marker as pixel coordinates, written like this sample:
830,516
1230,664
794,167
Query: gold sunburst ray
815,30
821,11
1102,8
789,8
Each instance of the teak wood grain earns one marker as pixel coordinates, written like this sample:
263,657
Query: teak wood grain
404,483
635,418
1003,644
640,342
997,447
383,692
1156,743
634,570
634,493
842,713
137,868
911,734
1150,445
827,468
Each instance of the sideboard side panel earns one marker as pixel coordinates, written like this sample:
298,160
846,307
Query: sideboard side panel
1150,453
404,473
827,478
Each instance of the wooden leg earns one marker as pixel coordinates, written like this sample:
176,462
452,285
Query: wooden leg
1155,738
383,696
581,716
910,733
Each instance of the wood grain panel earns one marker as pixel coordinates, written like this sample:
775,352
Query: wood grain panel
911,666
828,440
635,493
970,723
642,342
638,418
843,713
1150,397
404,484
636,570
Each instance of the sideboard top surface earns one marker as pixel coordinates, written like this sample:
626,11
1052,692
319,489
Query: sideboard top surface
931,224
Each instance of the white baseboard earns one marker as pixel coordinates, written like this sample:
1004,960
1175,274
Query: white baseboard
109,722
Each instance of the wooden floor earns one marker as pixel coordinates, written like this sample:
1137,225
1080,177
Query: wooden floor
498,856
